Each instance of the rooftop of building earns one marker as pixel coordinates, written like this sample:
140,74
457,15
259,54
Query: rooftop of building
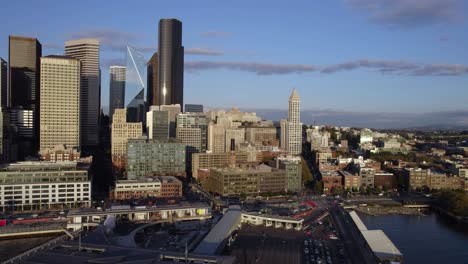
89,41
44,166
211,243
247,168
150,179
65,57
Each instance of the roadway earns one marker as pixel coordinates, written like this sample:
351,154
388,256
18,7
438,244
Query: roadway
355,245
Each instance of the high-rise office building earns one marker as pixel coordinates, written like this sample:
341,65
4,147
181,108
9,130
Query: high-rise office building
155,158
122,131
3,103
60,102
23,92
3,84
173,111
116,89
193,108
87,52
135,85
152,95
157,123
192,129
291,130
171,62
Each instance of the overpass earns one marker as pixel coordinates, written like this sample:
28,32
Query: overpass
76,219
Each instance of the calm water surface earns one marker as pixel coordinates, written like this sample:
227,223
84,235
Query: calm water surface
424,239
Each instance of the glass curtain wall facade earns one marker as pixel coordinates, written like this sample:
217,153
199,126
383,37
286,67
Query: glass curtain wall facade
135,85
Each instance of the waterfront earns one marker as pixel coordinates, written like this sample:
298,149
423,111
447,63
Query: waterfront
427,239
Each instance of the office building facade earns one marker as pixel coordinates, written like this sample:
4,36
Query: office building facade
44,185
60,102
156,187
170,62
24,84
3,83
152,94
157,123
193,108
116,89
122,131
87,52
292,129
155,158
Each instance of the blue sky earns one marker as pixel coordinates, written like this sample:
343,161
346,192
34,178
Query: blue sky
405,56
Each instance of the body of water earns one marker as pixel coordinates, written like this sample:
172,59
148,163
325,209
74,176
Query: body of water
426,239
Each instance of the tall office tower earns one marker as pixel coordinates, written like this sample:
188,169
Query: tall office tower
171,62
122,131
3,105
24,68
87,51
135,85
192,129
116,89
60,102
3,84
152,95
216,137
157,123
173,110
291,130
193,108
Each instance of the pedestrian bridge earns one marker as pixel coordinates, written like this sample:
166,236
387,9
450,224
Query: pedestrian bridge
271,220
76,219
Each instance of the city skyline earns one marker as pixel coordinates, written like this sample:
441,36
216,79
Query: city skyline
392,63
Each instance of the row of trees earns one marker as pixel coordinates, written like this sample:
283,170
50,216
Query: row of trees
455,202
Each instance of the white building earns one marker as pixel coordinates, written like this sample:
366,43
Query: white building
44,185
291,130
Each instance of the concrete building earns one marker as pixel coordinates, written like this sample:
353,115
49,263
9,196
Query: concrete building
192,129
193,108
87,52
350,181
416,178
250,180
233,138
170,63
158,186
367,176
157,123
263,135
122,131
152,158
60,153
3,84
384,180
60,102
293,167
24,83
331,180
441,181
116,89
216,138
292,129
44,185
216,160
173,111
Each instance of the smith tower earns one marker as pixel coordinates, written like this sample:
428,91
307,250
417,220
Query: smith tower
171,63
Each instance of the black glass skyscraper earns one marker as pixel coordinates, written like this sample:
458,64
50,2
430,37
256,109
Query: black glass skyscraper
171,62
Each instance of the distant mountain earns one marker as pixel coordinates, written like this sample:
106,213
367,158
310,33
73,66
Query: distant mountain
450,120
